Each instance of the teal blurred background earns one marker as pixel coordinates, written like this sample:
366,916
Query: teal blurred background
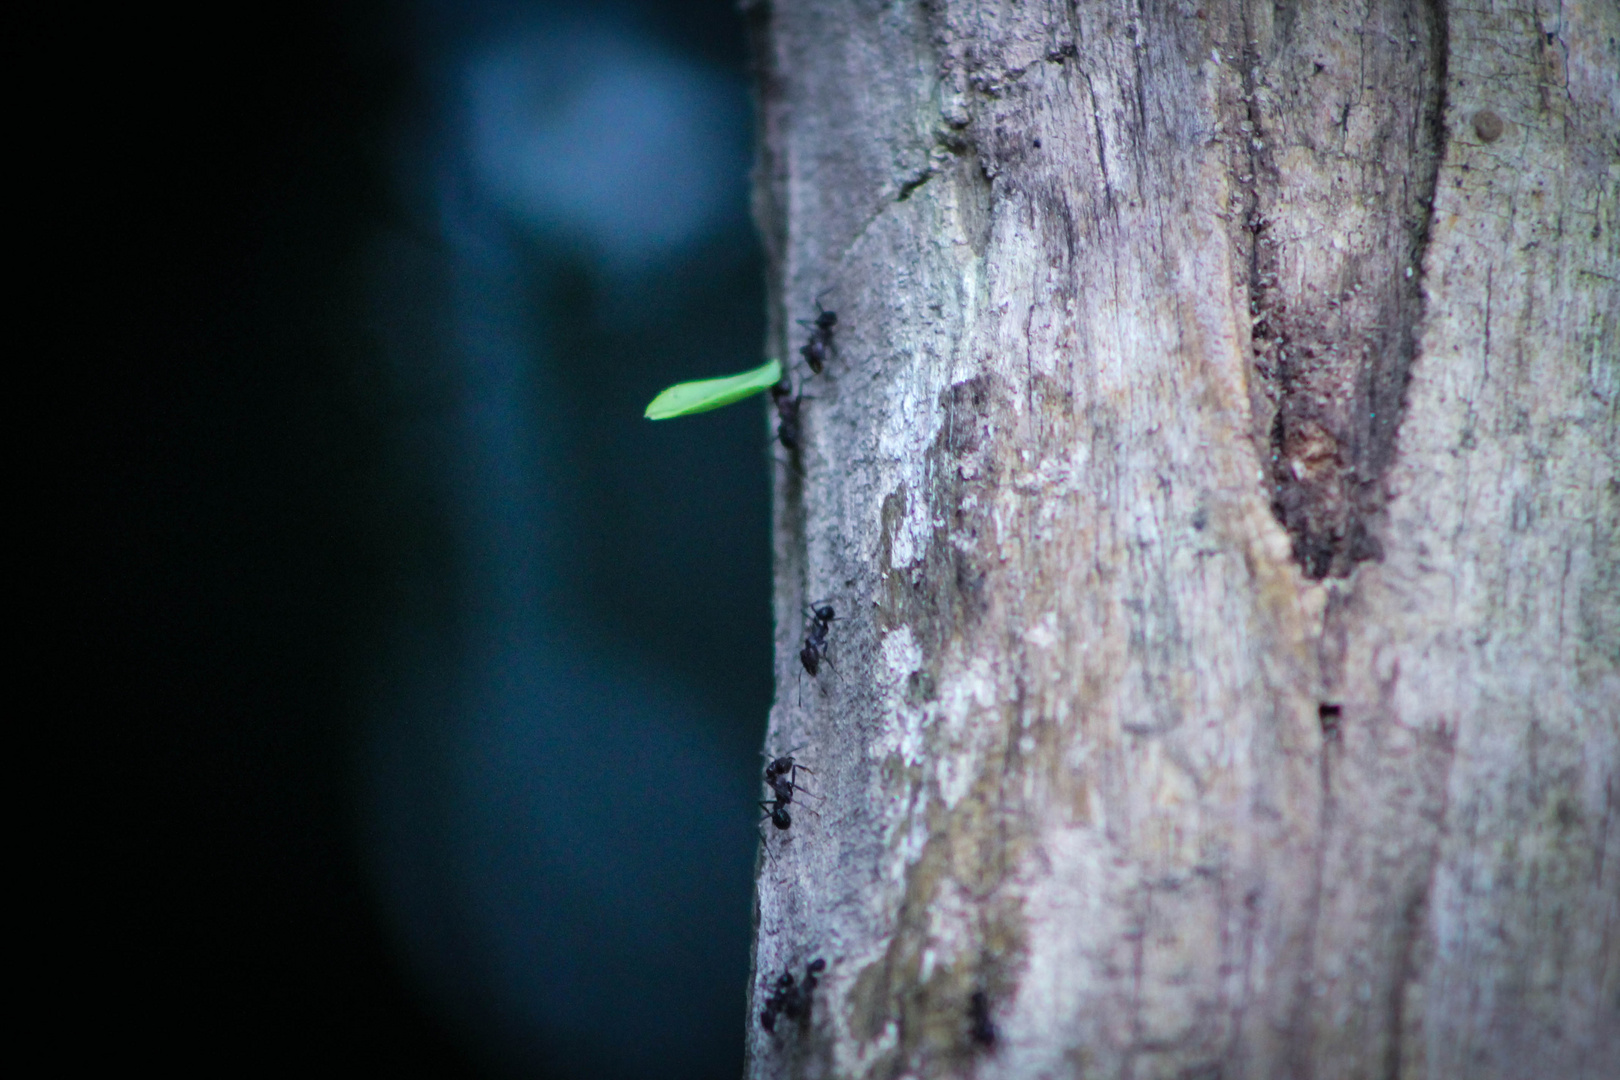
427,681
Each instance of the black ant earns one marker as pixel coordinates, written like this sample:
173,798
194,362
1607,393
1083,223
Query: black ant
981,1029
787,414
815,349
815,639
782,777
791,998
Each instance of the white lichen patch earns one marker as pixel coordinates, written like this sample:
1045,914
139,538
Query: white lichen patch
1044,634
900,657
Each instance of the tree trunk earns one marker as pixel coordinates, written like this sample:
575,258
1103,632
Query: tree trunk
1214,475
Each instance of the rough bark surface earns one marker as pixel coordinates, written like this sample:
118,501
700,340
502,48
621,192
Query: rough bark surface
1216,479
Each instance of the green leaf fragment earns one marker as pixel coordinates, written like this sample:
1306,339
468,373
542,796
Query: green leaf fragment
684,399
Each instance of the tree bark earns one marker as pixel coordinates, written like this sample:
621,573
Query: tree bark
1215,478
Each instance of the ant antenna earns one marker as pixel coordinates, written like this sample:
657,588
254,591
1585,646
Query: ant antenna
790,753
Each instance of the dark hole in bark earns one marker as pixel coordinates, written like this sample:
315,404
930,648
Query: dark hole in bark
1327,714
1488,126
1566,813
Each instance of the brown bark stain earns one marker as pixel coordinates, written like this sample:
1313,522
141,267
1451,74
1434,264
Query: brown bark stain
931,1016
1338,125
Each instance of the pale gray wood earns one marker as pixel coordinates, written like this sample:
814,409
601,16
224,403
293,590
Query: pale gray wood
1220,501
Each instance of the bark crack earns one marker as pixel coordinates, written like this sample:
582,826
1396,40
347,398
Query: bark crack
1406,966
1300,1043
1102,143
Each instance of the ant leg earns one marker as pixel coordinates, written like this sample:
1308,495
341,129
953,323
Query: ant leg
795,789
834,668
798,788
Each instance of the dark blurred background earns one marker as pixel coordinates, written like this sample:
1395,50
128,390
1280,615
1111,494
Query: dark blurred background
412,684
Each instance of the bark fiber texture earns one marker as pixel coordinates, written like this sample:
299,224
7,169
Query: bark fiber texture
1215,476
